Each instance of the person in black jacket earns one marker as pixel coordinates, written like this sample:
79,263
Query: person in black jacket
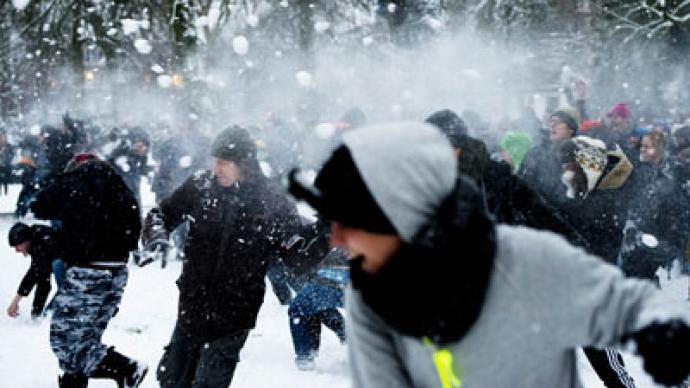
505,195
37,241
239,223
99,226
658,223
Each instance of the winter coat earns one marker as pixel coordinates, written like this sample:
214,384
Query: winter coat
508,198
99,215
660,209
542,171
600,215
234,234
43,250
535,274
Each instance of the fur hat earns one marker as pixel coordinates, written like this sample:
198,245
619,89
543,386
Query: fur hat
591,155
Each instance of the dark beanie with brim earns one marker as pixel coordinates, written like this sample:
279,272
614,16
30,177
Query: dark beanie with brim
340,194
234,144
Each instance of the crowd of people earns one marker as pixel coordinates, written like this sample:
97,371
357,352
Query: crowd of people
465,250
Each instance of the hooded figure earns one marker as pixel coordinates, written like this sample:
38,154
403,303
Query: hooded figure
442,297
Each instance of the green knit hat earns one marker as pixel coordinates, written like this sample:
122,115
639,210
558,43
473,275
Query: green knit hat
516,144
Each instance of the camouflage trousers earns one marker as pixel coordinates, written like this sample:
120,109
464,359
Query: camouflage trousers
84,305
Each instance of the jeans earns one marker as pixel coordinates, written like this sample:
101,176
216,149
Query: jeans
315,304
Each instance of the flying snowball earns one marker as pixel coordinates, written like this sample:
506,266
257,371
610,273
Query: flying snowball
304,78
240,44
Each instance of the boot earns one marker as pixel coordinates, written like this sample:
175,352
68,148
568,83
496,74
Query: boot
126,372
72,380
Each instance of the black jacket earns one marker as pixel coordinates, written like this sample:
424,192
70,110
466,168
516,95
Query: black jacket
43,250
508,198
99,215
541,170
660,209
600,215
234,233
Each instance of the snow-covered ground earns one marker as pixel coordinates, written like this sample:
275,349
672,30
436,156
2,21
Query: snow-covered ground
145,322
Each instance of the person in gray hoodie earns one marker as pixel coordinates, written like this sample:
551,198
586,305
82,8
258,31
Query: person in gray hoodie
442,297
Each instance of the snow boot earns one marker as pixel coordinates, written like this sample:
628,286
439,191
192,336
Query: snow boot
73,380
126,372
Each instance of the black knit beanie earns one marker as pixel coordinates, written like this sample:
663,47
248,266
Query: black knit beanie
234,144
340,194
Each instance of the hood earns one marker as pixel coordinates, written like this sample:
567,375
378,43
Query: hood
449,263
409,169
473,158
618,170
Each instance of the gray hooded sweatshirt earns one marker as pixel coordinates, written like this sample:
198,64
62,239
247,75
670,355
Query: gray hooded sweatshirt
545,298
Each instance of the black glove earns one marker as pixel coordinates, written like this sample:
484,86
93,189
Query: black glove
663,347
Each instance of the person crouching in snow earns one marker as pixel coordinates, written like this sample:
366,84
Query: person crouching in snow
100,225
442,297
37,241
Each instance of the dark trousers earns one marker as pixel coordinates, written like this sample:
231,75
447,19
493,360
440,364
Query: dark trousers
191,362
40,296
608,364
315,304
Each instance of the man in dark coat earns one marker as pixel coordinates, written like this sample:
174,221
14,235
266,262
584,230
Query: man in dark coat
37,241
505,195
238,221
99,226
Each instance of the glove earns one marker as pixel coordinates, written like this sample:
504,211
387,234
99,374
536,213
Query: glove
662,346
